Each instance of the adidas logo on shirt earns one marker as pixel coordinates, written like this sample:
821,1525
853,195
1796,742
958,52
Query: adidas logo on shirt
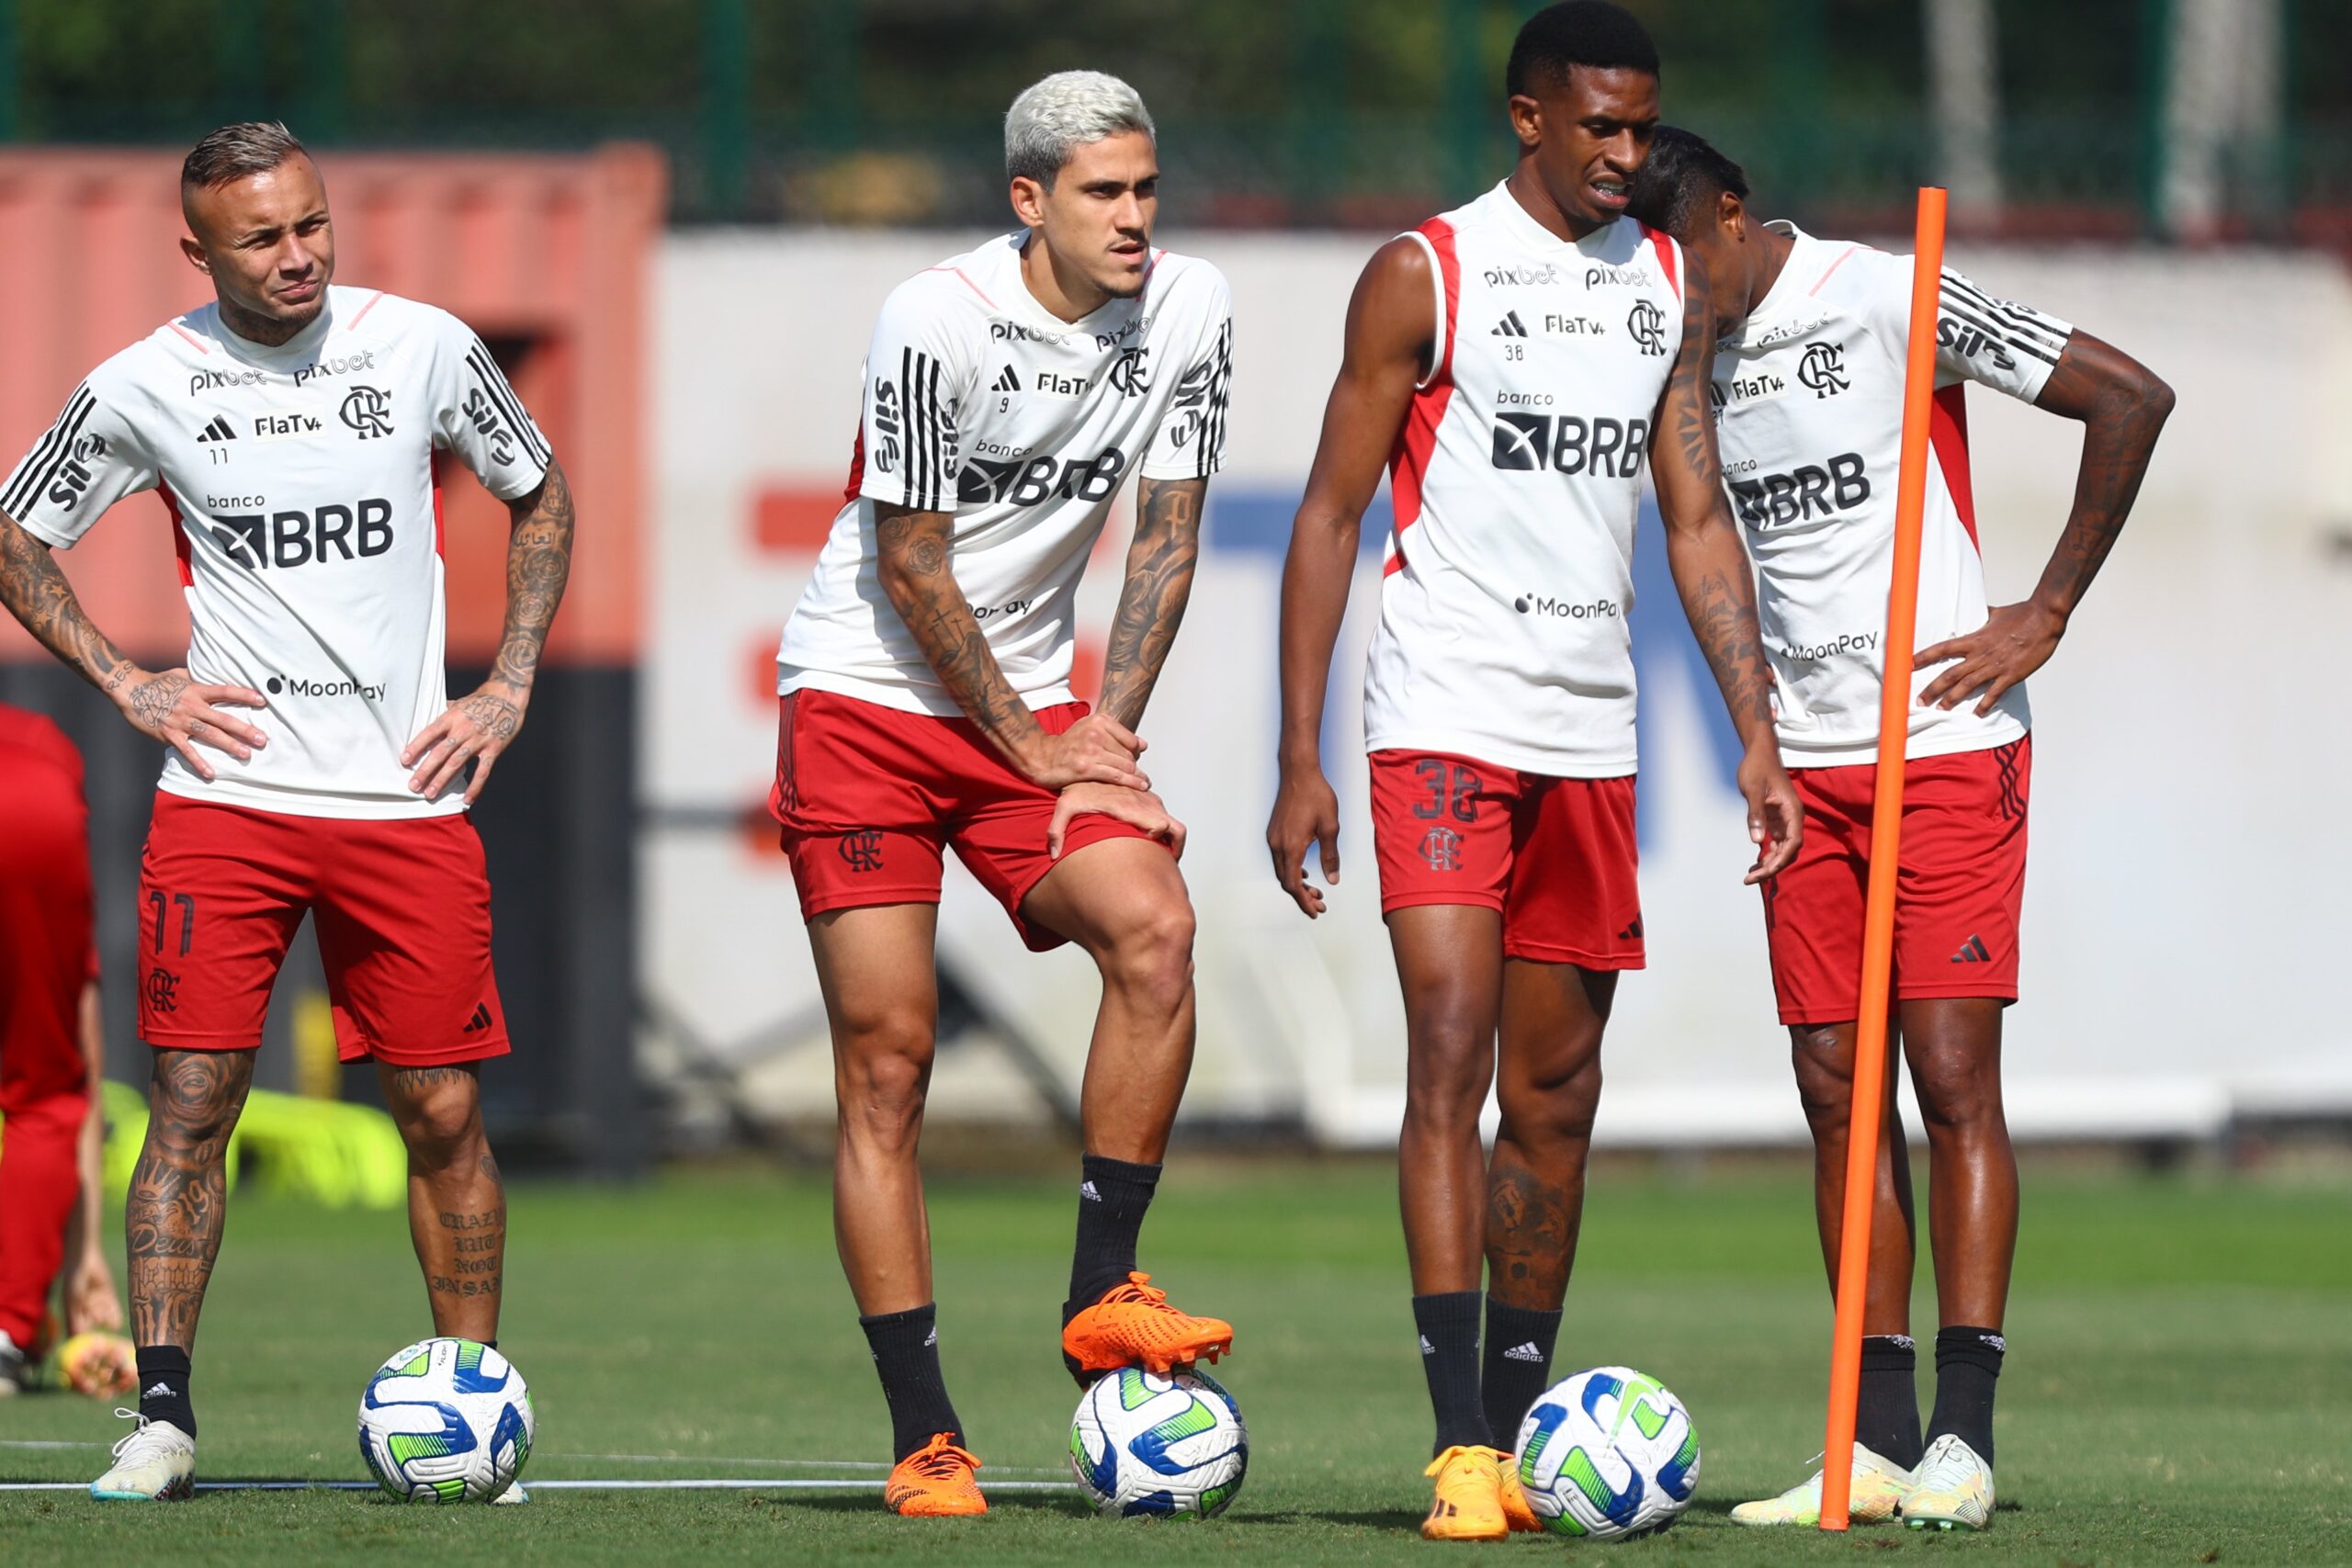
1972,952
217,431
1007,381
1510,326
1527,1353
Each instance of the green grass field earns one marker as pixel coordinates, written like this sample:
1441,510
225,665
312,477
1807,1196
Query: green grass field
2177,1392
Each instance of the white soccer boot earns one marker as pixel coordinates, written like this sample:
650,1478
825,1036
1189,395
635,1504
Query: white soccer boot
12,1367
1952,1488
155,1464
1878,1485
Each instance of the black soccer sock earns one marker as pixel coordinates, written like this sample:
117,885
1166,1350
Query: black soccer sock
162,1386
1886,1419
1112,1197
906,1353
1517,1366
1449,1325
1968,1362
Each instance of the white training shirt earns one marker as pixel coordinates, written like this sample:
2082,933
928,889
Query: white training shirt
306,513
1517,482
980,402
1809,394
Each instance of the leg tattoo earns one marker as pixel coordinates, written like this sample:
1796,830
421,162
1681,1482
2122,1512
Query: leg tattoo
179,1189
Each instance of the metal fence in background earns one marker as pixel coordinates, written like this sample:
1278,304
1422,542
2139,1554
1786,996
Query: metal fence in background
2193,118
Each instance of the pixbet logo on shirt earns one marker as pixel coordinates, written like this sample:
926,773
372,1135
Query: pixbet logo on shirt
346,364
1773,501
1571,443
1521,276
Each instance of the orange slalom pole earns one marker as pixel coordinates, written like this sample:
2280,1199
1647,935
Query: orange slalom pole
1887,834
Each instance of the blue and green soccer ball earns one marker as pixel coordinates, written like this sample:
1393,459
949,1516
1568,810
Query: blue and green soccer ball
1607,1454
1144,1445
446,1421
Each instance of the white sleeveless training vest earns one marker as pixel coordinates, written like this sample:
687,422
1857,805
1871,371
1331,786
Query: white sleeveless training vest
1517,482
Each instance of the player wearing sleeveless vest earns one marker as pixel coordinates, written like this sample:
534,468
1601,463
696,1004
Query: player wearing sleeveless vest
295,431
1514,364
1809,379
925,688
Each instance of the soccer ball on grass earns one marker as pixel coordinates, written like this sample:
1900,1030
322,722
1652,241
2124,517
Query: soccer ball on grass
446,1421
1144,1445
1609,1454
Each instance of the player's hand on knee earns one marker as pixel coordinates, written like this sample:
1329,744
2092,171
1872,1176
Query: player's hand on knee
475,729
1138,809
1098,749
2015,641
1306,811
1775,814
184,714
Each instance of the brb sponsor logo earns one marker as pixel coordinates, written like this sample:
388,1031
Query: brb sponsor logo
303,686
367,410
1774,500
1521,276
1565,609
347,365
75,474
277,540
1042,478
1647,323
1571,443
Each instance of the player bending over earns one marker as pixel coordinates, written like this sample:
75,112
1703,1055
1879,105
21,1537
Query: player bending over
1516,363
1809,379
293,430
926,705
51,1059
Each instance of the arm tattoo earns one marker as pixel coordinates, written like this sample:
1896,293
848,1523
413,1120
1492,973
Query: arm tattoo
1151,604
912,564
539,564
179,1189
1704,551
37,593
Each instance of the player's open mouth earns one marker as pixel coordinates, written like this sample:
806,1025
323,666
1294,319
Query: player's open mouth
1611,194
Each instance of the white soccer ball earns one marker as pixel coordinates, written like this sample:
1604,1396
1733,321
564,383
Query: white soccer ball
1147,1445
1607,1453
446,1421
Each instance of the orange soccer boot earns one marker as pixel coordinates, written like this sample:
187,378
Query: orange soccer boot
1132,1326
936,1481
1516,1510
1469,1502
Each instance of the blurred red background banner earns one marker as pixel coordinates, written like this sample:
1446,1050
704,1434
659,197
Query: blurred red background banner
548,257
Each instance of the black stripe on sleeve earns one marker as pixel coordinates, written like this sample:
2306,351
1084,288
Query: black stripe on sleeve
1220,391
937,417
1960,310
41,466
910,483
2023,319
494,383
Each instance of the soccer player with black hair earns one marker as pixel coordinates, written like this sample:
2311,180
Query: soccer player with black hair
1808,382
1516,363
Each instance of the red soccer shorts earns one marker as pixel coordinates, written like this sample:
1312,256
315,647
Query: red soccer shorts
1555,856
1957,894
401,908
870,798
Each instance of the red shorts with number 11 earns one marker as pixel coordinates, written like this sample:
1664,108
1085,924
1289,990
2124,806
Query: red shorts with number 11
1557,857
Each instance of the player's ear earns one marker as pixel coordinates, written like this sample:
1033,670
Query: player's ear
1733,216
1526,120
194,249
1029,202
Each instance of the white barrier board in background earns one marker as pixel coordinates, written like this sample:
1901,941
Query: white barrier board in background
2191,855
